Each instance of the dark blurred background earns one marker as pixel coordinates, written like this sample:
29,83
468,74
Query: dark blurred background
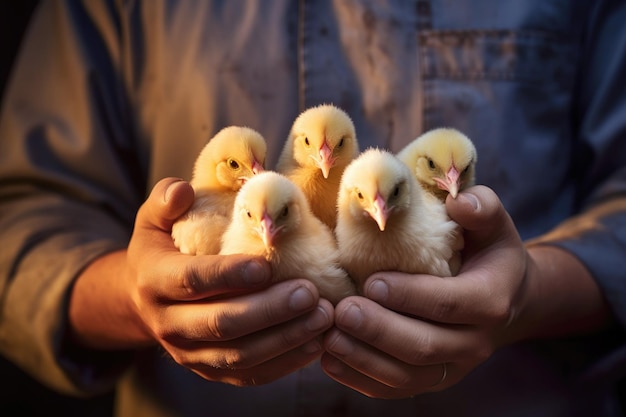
20,395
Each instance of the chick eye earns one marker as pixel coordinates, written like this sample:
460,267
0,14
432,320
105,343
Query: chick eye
285,211
431,164
249,214
360,195
233,164
396,191
306,141
340,143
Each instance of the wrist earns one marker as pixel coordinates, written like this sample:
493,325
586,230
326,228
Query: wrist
559,297
102,314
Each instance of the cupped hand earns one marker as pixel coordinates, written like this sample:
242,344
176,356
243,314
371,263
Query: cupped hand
411,334
218,315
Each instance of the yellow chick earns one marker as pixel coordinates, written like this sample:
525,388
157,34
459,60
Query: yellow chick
226,162
443,161
322,142
272,218
385,222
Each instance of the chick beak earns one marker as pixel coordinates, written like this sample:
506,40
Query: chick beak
379,212
451,182
326,161
267,230
257,167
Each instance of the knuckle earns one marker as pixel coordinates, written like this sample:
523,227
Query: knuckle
269,312
190,281
425,351
500,311
236,359
218,326
291,338
378,333
228,361
446,306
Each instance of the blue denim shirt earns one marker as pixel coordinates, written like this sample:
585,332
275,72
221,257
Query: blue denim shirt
109,97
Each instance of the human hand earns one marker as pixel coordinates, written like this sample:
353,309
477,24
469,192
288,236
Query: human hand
420,333
216,315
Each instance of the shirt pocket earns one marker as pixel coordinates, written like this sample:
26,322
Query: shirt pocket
524,56
511,91
521,77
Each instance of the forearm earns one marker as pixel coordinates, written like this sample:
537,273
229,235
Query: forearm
47,241
101,312
560,297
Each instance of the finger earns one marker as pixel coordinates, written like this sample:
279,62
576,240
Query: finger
479,211
379,366
231,318
189,278
266,372
412,341
257,348
168,200
483,296
394,382
451,300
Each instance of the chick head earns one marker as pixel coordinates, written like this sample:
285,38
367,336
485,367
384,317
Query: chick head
324,137
443,161
229,159
376,185
269,206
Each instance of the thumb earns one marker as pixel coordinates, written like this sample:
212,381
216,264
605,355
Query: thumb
169,199
479,211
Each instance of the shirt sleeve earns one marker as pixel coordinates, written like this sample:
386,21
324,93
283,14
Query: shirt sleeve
597,236
70,185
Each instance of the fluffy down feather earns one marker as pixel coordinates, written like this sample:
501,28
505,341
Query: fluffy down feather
272,218
443,161
225,163
385,223
322,142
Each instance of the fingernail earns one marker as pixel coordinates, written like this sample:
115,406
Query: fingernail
340,345
471,198
351,317
334,366
301,299
378,290
170,189
254,273
313,346
318,320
